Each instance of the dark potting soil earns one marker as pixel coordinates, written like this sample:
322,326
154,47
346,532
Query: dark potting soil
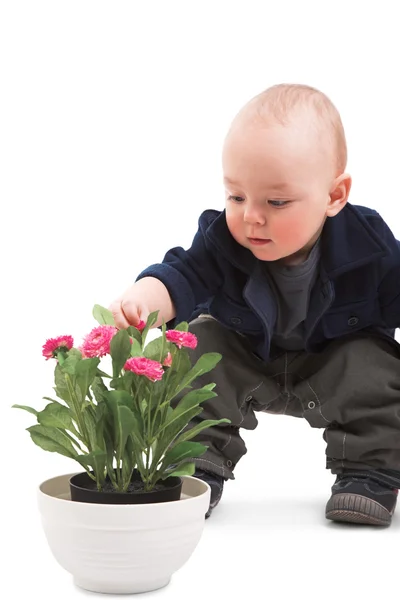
135,487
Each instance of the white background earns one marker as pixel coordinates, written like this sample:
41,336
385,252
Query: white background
112,121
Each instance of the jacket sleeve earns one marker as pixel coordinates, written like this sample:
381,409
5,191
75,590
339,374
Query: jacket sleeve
389,288
191,276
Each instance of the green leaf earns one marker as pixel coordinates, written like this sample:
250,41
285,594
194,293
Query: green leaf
135,333
191,433
85,373
139,427
152,318
66,388
105,438
99,389
181,452
125,422
52,440
136,349
119,397
204,364
120,348
127,382
101,425
191,400
28,408
73,359
57,415
154,349
181,471
123,419
90,424
122,398
102,374
128,461
196,396
61,387
102,315
183,326
157,419
181,365
171,430
116,384
153,391
74,391
110,461
95,460
52,400
180,417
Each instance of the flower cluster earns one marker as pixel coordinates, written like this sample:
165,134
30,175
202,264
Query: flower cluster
135,419
97,344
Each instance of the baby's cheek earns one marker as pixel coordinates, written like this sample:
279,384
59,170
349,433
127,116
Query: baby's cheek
288,231
235,227
234,221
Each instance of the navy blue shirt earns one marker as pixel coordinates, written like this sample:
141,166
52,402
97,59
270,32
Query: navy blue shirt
357,286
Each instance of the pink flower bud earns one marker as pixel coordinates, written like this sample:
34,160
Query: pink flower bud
168,360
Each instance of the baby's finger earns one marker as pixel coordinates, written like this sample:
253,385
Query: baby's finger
120,319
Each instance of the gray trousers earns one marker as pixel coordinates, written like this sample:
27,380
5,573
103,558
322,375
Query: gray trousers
351,390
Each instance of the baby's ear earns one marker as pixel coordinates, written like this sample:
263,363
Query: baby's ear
339,194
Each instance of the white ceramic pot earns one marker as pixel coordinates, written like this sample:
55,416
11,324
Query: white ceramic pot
122,548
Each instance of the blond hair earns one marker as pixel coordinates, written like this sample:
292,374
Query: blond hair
283,101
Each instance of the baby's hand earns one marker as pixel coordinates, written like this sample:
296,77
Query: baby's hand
130,308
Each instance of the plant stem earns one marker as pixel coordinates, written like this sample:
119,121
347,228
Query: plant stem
89,473
78,413
148,439
166,398
118,475
75,442
165,408
138,395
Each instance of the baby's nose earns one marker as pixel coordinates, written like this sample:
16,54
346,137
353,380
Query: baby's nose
254,215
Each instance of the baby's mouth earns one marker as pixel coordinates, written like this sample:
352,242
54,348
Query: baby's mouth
258,241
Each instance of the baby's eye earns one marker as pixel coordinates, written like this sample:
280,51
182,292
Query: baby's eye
236,198
278,203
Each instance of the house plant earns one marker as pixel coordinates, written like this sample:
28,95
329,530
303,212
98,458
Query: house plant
135,514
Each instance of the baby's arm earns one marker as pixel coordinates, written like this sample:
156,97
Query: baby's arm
184,279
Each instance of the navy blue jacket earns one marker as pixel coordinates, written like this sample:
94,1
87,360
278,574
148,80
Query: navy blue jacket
357,288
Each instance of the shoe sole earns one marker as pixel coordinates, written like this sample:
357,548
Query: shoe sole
353,508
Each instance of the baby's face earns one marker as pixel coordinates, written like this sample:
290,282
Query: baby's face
277,182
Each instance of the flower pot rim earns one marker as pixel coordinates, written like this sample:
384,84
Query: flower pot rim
65,479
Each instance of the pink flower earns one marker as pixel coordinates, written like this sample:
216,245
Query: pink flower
140,326
97,342
168,360
181,338
145,366
53,344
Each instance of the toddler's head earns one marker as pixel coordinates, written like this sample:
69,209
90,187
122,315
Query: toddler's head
284,161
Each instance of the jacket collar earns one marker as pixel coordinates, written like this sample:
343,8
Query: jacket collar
347,242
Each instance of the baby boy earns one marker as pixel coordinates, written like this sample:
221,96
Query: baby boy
300,292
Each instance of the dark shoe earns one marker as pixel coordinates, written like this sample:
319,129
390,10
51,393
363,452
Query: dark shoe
216,483
357,499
